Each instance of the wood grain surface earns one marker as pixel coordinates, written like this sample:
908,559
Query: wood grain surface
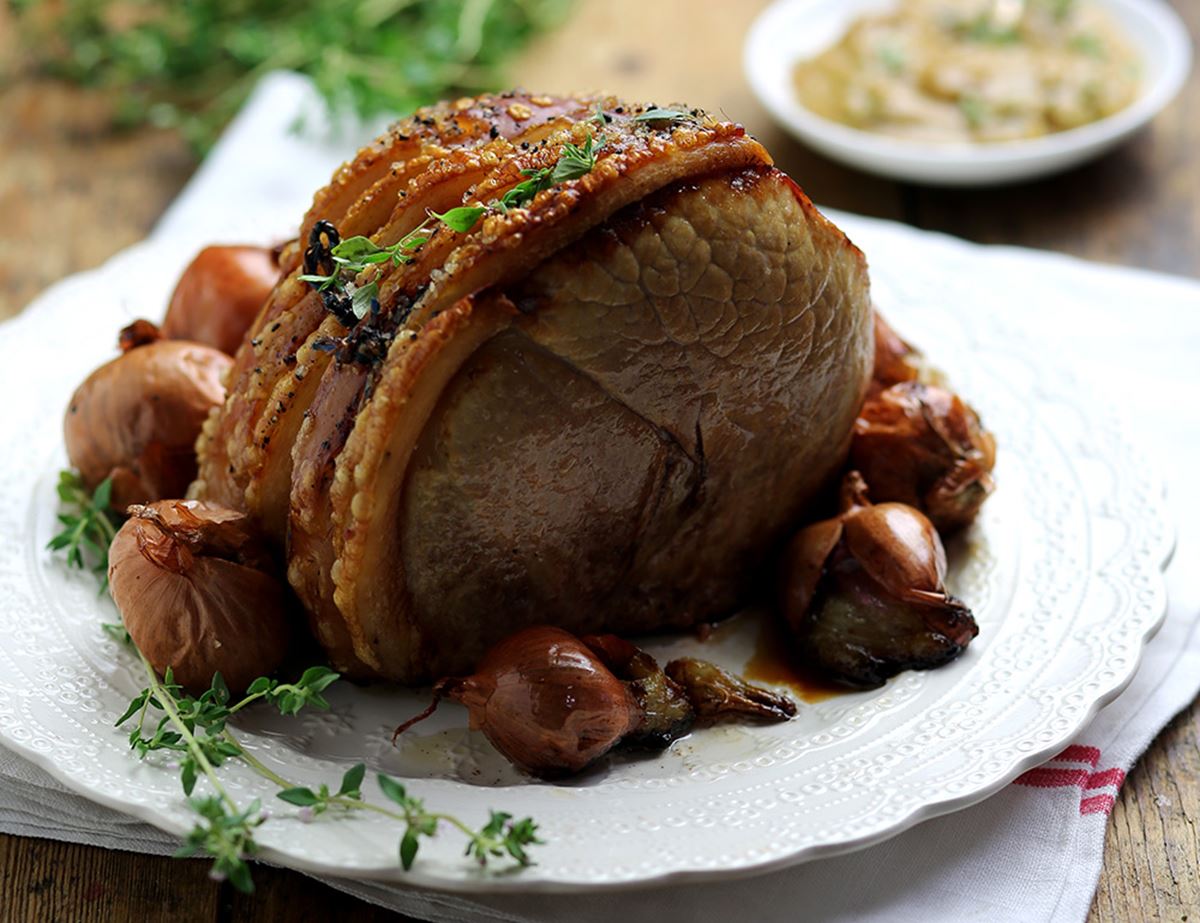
72,194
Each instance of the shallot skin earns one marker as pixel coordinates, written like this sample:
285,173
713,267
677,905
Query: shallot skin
219,294
718,695
895,360
923,446
545,701
195,592
136,419
665,714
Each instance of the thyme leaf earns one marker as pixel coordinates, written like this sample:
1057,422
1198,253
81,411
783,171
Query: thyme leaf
89,524
354,254
165,718
664,115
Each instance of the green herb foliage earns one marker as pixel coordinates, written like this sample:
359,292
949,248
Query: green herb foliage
354,254
88,522
893,59
500,836
227,837
1088,44
664,115
191,64
166,718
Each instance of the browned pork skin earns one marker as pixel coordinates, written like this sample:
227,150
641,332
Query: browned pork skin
604,407
864,593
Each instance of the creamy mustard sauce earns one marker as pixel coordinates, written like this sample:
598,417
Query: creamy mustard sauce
973,70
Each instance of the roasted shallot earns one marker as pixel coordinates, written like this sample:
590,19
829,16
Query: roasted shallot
864,593
544,700
196,592
895,360
553,703
135,419
922,445
219,294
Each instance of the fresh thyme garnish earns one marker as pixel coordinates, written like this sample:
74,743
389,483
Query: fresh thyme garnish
664,115
196,727
498,837
354,254
573,162
89,525
117,632
227,837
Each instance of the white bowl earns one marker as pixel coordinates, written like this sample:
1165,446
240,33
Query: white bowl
790,30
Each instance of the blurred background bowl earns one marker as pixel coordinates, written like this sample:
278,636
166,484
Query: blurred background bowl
792,30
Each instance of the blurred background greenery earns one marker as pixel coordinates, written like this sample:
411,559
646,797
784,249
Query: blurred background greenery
189,64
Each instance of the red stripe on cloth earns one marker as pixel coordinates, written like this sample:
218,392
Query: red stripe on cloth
1097,804
1043,777
1112,776
1078,754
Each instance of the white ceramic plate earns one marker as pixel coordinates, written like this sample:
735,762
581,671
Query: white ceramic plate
1063,573
791,30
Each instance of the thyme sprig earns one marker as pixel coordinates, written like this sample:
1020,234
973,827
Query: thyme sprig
89,524
225,836
166,718
354,254
500,836
197,728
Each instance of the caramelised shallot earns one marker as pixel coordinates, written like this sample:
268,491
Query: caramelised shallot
665,714
135,419
196,592
544,700
219,295
922,445
895,360
864,593
553,703
718,695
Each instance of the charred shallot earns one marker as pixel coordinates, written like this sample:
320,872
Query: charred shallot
922,445
553,703
864,593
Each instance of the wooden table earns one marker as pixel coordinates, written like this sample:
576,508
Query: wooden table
72,194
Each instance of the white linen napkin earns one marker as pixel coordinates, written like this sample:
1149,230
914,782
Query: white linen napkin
1030,853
